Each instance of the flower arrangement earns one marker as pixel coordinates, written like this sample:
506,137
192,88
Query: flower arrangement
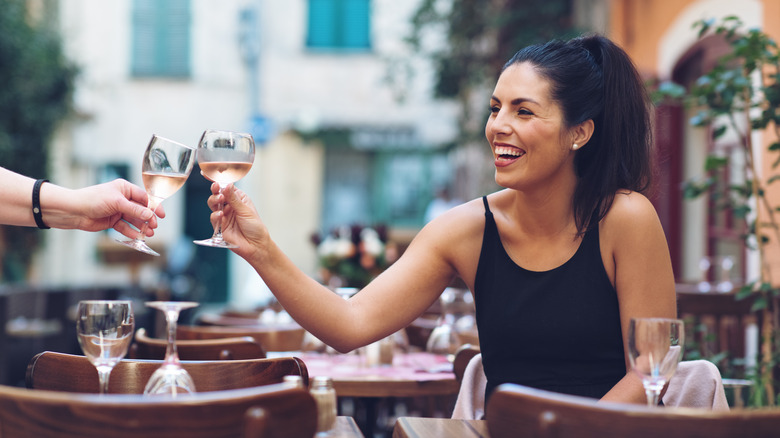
352,256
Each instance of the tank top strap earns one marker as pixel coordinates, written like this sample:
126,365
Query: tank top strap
488,213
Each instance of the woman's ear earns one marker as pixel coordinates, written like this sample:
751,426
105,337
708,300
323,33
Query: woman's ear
580,134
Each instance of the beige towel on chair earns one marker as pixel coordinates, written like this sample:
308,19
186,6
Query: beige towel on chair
470,404
696,384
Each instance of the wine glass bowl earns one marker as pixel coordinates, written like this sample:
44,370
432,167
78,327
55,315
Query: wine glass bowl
224,157
655,348
166,167
444,338
105,330
170,379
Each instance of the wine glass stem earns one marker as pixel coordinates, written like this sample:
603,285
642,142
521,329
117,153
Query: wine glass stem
218,231
103,374
153,204
172,317
652,396
142,232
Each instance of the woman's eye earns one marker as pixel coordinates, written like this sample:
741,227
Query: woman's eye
494,109
525,112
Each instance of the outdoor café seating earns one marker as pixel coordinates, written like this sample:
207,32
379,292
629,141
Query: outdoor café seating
73,373
284,412
245,347
539,413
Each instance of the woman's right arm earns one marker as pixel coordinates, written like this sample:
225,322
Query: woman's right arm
387,304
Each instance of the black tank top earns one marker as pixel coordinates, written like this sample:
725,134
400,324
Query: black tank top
557,330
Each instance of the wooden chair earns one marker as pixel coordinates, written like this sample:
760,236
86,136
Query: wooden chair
267,411
537,413
467,366
72,373
145,347
462,358
288,337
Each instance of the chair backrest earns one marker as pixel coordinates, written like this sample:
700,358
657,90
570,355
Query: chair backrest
462,358
145,347
288,337
470,403
286,412
539,413
72,373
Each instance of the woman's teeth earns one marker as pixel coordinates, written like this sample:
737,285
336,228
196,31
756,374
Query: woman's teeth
507,151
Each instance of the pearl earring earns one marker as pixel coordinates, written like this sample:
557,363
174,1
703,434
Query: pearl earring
575,146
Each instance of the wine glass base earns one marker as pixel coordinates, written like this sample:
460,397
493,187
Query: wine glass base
139,245
170,380
215,243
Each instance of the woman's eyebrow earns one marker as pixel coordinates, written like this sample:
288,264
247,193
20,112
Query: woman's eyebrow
517,101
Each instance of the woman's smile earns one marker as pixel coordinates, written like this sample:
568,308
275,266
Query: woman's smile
506,155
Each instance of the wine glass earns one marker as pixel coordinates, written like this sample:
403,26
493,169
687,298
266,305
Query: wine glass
224,157
166,166
105,329
655,346
170,378
444,338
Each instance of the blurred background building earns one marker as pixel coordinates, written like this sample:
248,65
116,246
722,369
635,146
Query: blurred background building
346,115
353,123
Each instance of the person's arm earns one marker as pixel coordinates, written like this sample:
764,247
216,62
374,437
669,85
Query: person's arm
643,275
116,204
387,304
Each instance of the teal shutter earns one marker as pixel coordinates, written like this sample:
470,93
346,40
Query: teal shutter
339,24
356,24
322,23
161,38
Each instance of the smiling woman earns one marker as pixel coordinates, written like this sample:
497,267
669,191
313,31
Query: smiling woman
558,262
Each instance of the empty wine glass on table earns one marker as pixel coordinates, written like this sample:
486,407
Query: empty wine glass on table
105,329
166,166
444,338
171,378
224,157
655,347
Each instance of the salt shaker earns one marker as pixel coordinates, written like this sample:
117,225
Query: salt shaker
325,396
294,381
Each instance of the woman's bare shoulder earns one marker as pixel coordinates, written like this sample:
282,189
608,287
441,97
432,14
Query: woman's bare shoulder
628,206
631,213
461,219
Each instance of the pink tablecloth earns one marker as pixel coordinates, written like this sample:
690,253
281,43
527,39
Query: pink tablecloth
418,366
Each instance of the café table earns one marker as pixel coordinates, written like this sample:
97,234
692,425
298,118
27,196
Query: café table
345,428
413,374
417,427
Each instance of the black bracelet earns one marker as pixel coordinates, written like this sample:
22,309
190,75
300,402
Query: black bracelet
36,204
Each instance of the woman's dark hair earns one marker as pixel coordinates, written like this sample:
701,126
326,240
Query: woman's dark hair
592,78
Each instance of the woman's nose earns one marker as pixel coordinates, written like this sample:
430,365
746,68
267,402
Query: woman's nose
499,124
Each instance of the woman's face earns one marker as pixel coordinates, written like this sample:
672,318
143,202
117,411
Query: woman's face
526,131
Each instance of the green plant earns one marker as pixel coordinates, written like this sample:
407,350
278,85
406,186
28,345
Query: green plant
35,95
740,96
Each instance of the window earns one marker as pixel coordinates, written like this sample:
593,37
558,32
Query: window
161,38
339,24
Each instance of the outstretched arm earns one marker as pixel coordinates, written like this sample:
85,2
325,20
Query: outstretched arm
116,204
387,304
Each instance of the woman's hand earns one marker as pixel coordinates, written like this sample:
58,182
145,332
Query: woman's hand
241,225
117,204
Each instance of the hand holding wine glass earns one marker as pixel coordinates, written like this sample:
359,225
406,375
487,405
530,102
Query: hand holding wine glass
655,348
166,167
105,329
224,157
